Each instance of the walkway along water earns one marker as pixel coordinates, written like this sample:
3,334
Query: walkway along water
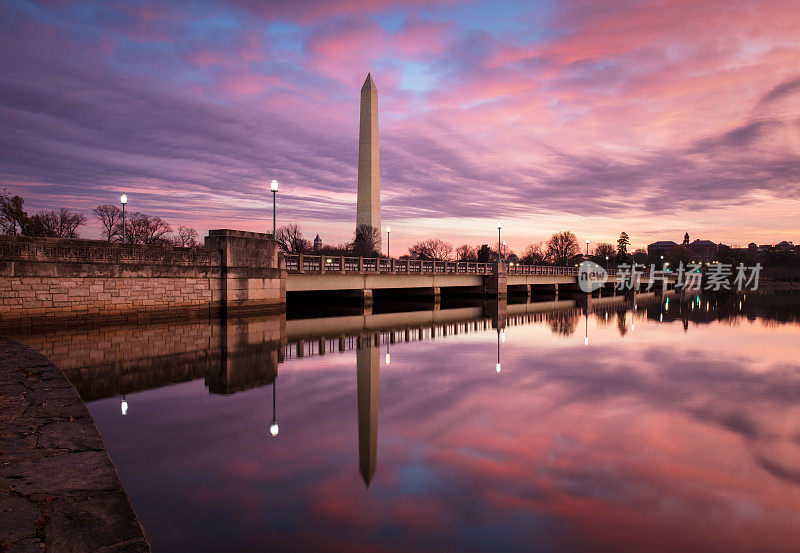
59,490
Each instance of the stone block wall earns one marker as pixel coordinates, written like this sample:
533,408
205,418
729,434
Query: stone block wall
253,274
78,280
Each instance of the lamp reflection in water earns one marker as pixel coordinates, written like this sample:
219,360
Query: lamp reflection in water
388,356
124,406
273,428
586,324
498,367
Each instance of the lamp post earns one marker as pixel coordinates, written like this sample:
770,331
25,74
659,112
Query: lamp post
274,187
505,250
388,233
123,200
273,428
587,250
499,227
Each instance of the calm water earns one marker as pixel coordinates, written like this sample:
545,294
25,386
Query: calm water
677,428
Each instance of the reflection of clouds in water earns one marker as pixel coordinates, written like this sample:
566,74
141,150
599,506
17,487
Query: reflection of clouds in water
659,441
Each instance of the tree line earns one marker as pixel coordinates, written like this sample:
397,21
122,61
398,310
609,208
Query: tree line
561,249
140,228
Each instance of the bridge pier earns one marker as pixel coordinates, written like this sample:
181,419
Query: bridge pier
555,286
496,285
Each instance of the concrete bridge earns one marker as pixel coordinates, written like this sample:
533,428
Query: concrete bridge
364,275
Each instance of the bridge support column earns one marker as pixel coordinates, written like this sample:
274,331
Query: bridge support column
366,299
342,343
437,298
496,285
321,346
555,289
528,292
300,348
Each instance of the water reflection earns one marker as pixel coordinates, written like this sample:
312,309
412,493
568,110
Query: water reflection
683,435
368,377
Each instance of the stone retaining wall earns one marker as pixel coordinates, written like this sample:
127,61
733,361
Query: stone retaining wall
76,281
59,490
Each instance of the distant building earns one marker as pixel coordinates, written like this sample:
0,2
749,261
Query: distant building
783,247
686,239
317,243
703,250
662,247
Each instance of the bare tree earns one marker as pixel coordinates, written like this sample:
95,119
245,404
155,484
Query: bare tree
562,247
432,248
110,217
186,238
365,241
13,219
466,252
605,250
290,239
144,229
63,223
533,254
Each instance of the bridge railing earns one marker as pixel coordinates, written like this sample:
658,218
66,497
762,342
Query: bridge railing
338,264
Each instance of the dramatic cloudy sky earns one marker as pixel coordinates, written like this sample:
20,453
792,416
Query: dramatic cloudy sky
649,117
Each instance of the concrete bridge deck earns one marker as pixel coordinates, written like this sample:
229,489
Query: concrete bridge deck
307,273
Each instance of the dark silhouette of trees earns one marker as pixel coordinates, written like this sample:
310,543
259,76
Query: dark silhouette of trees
290,239
486,254
144,229
465,252
186,238
605,250
365,241
63,223
110,217
622,243
13,219
433,248
562,247
533,255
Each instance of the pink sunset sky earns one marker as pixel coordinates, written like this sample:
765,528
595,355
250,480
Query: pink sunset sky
653,118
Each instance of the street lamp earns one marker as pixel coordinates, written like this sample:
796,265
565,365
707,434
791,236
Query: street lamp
273,428
505,250
606,263
499,227
388,233
123,200
274,187
587,250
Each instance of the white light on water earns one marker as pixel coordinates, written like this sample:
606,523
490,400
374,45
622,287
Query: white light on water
273,429
497,367
124,407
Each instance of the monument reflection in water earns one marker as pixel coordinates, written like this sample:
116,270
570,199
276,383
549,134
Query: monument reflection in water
675,428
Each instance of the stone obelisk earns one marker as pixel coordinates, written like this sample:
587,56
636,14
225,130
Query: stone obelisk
368,207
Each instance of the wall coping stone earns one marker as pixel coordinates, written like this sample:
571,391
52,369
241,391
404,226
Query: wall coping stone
59,490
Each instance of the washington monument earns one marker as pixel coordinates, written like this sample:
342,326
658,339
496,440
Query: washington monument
368,206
